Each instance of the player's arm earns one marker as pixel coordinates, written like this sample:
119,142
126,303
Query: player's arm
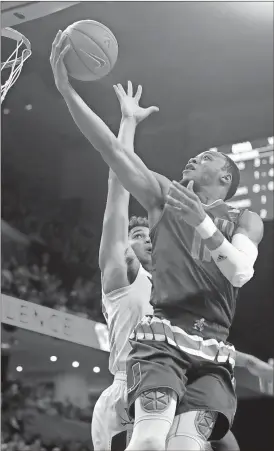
236,259
114,239
130,169
263,370
254,365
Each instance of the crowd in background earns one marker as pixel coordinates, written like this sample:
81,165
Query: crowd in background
18,441
38,217
59,276
35,283
57,268
21,404
17,397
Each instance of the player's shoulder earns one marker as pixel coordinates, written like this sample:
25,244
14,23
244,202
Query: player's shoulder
242,215
250,219
252,223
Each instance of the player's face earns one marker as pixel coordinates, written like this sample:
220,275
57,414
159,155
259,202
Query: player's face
205,169
140,242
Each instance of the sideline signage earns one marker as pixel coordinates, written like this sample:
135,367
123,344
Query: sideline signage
54,323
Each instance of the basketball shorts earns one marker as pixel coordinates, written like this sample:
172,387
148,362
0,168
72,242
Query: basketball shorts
198,370
110,416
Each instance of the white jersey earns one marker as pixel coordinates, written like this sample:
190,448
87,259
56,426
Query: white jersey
123,309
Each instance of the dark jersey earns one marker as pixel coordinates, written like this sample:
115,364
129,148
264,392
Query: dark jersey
186,280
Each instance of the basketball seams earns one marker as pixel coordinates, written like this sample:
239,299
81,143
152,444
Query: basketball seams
88,68
96,24
95,42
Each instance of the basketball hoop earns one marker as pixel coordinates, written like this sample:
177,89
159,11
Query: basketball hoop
15,61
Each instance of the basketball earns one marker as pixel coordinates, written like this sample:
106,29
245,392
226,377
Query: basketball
93,50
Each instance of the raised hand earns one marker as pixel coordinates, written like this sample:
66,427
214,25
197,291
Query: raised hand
266,378
186,202
130,104
57,62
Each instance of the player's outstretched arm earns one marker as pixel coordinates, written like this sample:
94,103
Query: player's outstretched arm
263,370
130,169
114,240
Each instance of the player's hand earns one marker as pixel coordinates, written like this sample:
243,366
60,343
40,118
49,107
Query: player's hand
130,104
186,202
57,62
266,378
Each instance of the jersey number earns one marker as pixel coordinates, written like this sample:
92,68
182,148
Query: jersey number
199,251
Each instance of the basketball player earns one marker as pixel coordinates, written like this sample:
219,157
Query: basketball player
126,293
125,264
203,251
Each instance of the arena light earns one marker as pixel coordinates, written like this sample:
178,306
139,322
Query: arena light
5,346
19,368
53,358
257,11
270,140
270,186
241,147
96,369
241,165
75,364
256,188
241,191
241,203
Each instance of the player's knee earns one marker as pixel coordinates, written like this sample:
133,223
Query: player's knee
149,435
186,442
154,415
148,443
191,430
159,403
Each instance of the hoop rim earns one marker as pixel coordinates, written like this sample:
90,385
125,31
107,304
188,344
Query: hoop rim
11,33
15,35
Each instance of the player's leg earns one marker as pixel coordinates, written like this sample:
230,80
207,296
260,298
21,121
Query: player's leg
100,434
154,415
156,380
190,431
227,443
109,416
211,390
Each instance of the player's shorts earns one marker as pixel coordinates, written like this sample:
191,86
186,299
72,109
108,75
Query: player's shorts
198,370
110,414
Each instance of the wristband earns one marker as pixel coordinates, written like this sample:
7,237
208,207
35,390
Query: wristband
207,228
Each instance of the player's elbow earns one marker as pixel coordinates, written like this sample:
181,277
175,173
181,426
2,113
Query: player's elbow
241,276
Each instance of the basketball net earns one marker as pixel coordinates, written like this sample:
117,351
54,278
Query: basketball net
16,60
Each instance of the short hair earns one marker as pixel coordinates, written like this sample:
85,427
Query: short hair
136,221
231,167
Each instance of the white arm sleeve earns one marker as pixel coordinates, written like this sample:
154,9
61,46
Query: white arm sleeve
236,259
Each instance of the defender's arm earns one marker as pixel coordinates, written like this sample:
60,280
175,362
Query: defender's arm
114,240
